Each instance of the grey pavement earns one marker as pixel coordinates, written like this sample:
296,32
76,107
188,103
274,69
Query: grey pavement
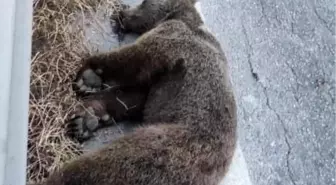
282,59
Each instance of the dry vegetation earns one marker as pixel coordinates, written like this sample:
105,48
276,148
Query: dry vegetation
57,50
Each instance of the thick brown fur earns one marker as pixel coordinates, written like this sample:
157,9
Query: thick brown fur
190,109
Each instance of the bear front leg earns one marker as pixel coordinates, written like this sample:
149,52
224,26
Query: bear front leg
132,65
105,108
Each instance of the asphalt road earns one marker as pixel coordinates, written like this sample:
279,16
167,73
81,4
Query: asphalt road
282,59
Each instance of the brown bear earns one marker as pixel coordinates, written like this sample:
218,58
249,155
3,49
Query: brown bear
179,74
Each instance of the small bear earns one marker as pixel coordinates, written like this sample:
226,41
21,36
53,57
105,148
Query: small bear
187,103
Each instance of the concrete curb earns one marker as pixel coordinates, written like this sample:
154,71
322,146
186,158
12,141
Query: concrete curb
238,173
15,50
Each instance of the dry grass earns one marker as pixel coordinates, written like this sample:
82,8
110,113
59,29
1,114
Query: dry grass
57,50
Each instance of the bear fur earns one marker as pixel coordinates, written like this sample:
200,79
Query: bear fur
189,111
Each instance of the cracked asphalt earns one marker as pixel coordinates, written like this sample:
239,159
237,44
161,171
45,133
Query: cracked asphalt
282,60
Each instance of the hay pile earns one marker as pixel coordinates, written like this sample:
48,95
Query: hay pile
57,50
